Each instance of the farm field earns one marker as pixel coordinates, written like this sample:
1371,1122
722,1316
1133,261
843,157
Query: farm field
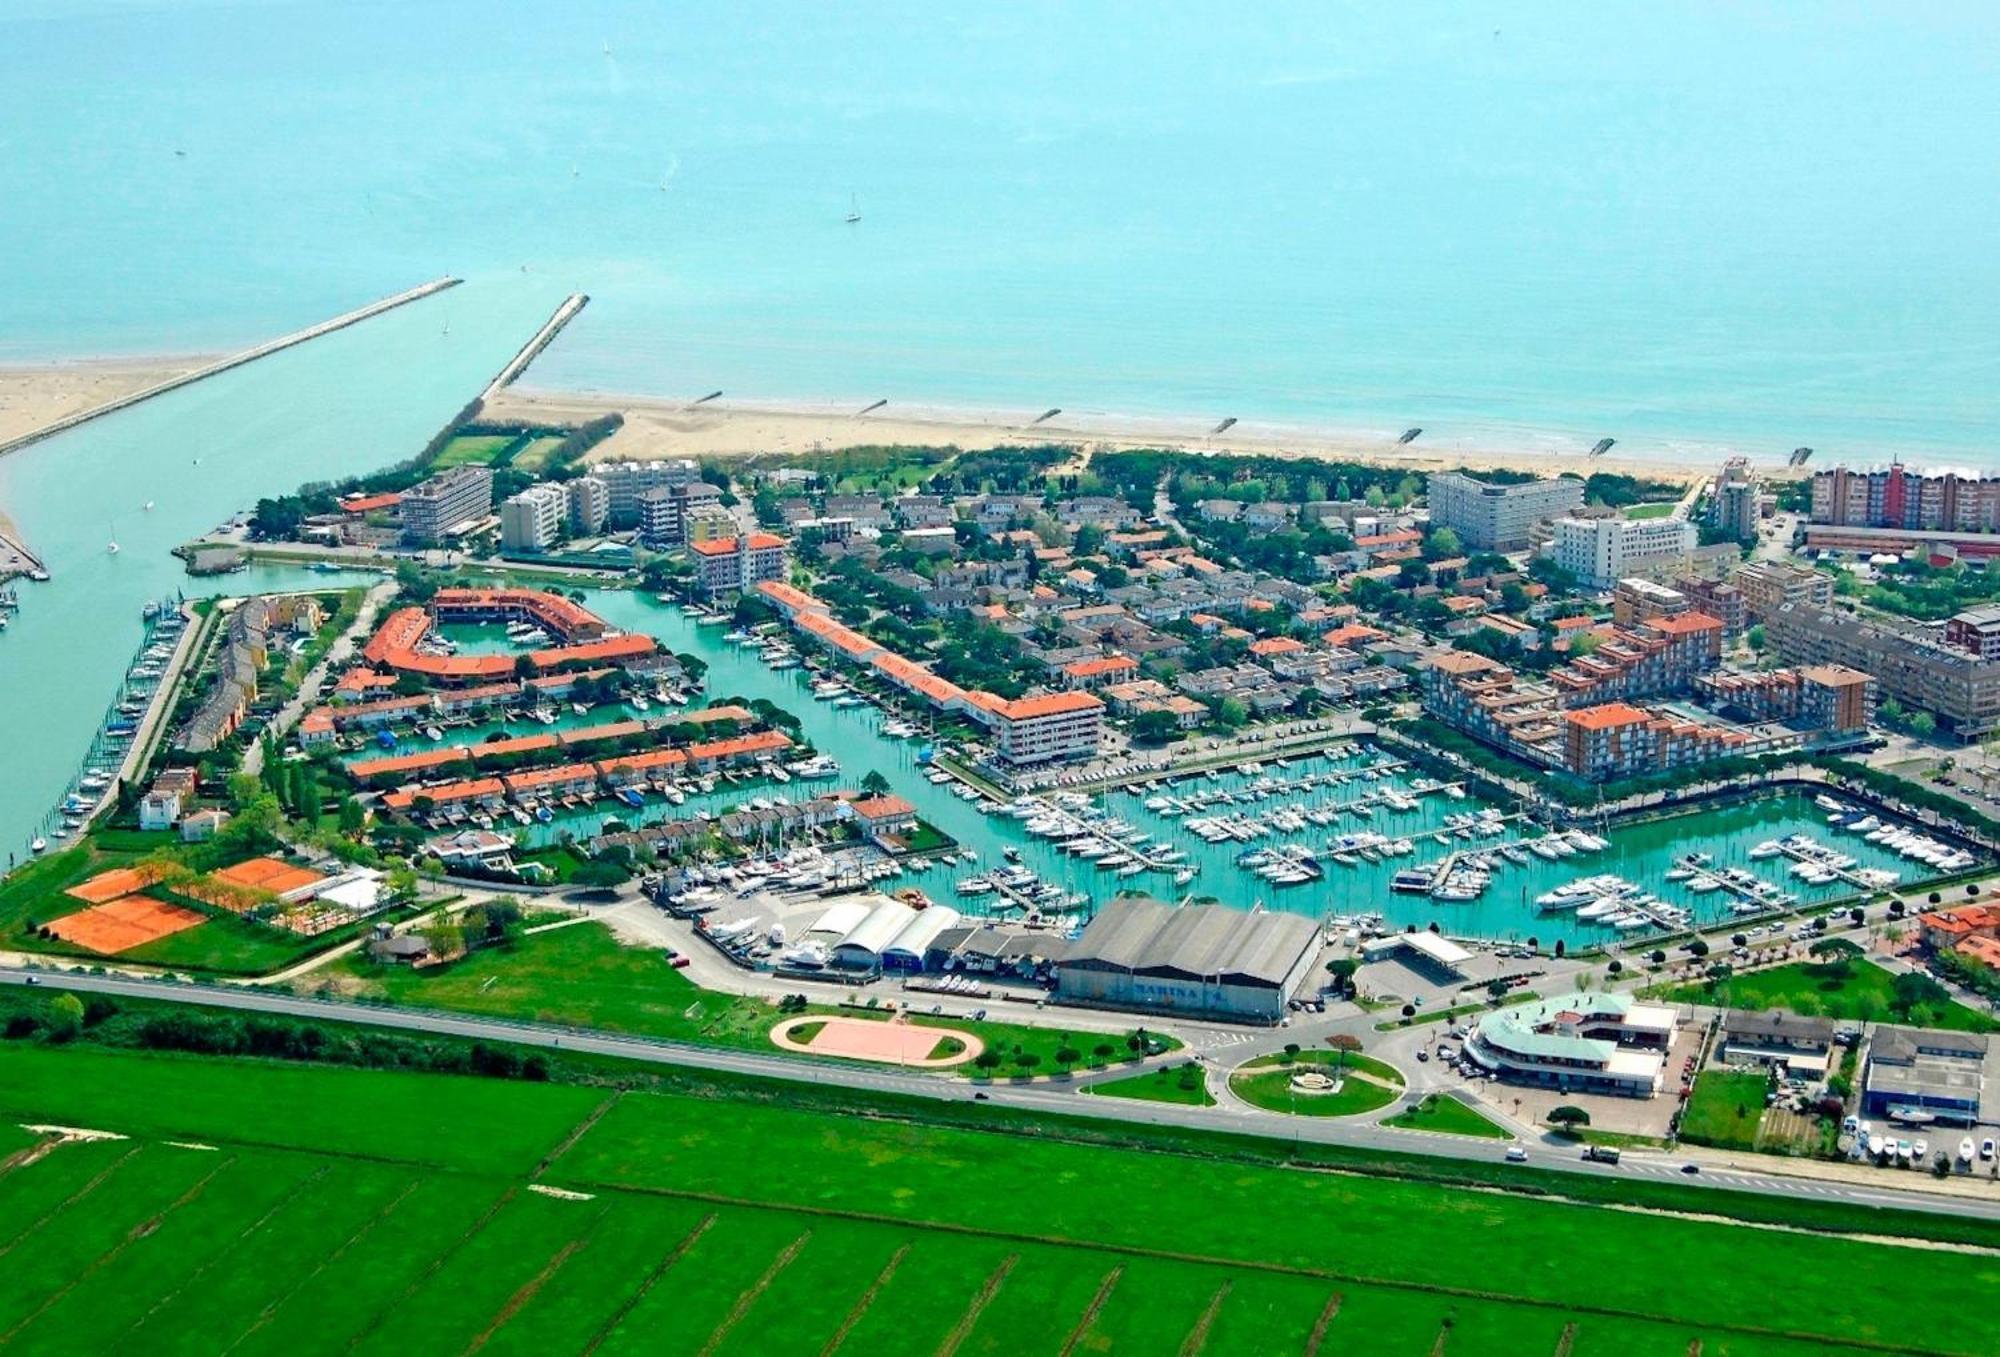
308,1210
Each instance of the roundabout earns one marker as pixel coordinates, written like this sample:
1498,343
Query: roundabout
1317,1083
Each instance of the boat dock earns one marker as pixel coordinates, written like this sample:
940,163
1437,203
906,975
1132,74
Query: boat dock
1846,874
533,348
1690,862
265,350
16,560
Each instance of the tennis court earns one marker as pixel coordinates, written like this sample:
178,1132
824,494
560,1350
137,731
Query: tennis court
125,923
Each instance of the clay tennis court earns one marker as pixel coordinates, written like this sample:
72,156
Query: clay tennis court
892,1043
268,874
108,886
124,924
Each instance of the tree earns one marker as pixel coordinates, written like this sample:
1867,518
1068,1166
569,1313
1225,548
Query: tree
1657,956
1698,948
1103,1051
1025,1061
1067,1055
1496,988
1923,725
1291,1052
874,784
1155,727
988,1059
1615,966
401,882
1755,636
1442,544
1568,1117
1342,972
1836,954
65,1017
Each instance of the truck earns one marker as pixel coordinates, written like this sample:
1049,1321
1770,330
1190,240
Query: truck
1600,1154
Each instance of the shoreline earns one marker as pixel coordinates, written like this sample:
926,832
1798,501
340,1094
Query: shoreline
658,427
35,396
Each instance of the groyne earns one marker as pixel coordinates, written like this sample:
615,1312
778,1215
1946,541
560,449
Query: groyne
264,350
533,348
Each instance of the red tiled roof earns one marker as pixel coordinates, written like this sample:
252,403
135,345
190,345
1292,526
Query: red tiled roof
723,546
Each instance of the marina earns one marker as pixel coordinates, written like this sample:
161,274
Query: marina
1335,831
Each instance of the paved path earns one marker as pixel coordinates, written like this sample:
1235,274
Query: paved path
798,1069
315,679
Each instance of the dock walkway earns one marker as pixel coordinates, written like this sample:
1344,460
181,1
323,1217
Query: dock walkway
543,337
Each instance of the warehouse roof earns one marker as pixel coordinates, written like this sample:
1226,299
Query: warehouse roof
1199,941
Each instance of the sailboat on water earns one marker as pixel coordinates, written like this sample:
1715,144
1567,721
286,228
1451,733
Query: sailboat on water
853,209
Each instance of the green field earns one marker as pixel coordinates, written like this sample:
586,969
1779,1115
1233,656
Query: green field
316,1210
1649,510
584,977
1366,1084
1861,990
474,450
535,455
1725,1109
1447,1116
1186,1084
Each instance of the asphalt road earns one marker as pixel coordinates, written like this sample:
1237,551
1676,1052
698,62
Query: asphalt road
798,1069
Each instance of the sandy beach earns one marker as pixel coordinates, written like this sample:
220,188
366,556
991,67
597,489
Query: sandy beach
662,428
35,395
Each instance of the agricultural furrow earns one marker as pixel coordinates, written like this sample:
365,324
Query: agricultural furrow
756,1289
270,1311
1197,1338
71,1200
534,1284
861,1306
978,1307
142,1230
1089,1315
673,1255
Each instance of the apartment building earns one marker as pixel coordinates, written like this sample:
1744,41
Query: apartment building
624,482
1720,600
1961,689
445,503
1736,505
1489,702
1058,727
1635,600
532,520
1767,586
1976,631
1617,740
1823,697
1647,660
1602,551
589,505
1497,516
1895,497
731,564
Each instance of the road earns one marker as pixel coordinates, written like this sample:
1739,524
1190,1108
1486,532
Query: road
1037,1098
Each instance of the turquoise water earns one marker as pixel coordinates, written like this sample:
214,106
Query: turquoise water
1759,224
359,399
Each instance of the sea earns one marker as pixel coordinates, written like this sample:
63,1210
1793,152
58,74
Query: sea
1751,226
1695,228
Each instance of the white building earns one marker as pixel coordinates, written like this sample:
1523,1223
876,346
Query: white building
1056,727
1602,551
1495,516
729,564
1584,1042
448,501
589,505
532,520
625,481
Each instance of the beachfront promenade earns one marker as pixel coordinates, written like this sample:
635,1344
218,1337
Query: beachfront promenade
264,350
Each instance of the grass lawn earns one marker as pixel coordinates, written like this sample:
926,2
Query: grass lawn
343,1210
1865,991
1186,1084
1649,510
473,450
1449,1116
1367,1084
535,455
584,977
1725,1110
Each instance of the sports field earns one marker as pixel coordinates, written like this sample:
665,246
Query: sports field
316,1210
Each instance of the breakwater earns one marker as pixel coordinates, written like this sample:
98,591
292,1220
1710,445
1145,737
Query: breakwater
543,337
264,350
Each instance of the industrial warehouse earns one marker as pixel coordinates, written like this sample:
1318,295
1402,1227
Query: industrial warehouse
1197,960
